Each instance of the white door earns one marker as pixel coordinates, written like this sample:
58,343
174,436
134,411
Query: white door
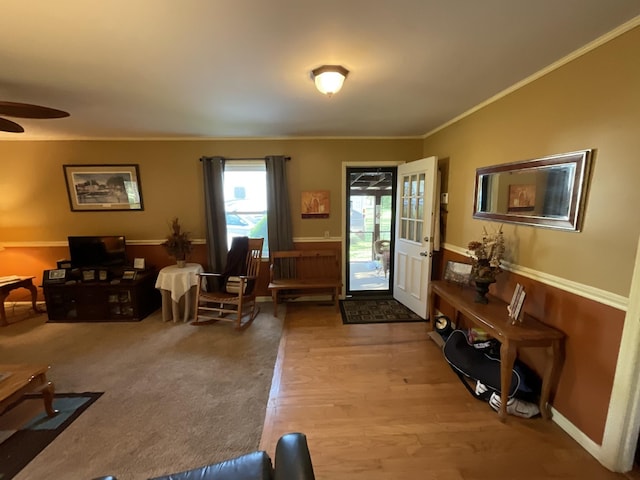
415,213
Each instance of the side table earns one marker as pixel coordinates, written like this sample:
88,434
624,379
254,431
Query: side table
176,284
20,282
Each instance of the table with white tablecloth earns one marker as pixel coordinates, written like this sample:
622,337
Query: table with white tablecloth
177,286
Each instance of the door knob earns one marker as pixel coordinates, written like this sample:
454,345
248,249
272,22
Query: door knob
425,254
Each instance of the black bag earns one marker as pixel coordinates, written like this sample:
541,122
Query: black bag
478,365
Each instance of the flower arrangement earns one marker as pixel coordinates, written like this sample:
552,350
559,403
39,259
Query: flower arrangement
178,243
486,255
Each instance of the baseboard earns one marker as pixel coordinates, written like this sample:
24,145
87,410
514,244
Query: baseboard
585,442
437,338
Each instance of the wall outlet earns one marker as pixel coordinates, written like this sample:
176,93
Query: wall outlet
326,234
444,198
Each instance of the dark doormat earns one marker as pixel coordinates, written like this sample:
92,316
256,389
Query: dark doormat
370,310
25,429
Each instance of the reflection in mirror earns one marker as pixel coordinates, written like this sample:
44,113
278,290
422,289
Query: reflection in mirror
546,192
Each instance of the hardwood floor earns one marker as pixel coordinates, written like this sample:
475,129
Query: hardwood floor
380,402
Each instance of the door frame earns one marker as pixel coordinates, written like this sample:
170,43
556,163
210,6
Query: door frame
362,164
622,425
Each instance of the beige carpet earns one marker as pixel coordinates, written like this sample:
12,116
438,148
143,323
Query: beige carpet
176,396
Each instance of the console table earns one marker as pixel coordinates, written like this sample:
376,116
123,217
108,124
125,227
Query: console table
494,319
20,282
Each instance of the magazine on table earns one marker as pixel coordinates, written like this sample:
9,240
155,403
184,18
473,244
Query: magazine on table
517,300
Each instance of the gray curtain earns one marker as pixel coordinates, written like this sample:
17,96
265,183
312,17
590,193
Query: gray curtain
213,172
279,211
557,198
278,208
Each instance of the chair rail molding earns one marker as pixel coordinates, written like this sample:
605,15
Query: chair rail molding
592,293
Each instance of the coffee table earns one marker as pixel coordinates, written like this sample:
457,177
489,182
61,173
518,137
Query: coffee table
18,379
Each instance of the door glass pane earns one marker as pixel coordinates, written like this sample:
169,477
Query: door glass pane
385,217
414,185
405,207
405,186
371,222
412,212
418,232
421,185
410,236
420,207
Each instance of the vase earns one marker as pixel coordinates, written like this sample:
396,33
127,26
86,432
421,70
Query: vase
181,263
482,288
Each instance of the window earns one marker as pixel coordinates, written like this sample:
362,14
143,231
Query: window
245,201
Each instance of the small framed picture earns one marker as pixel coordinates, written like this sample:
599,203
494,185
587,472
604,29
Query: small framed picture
57,274
458,272
88,275
138,263
103,275
64,264
129,275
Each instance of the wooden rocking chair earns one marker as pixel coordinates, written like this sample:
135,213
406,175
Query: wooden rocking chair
233,296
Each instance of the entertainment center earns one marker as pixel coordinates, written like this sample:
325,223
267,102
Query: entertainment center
98,284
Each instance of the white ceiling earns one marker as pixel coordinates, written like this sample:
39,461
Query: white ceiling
240,68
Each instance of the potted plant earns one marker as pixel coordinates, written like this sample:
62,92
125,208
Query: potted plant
178,243
485,260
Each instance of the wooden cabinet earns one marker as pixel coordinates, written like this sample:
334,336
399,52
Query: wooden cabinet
103,301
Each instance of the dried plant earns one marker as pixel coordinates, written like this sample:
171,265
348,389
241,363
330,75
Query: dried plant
487,254
178,243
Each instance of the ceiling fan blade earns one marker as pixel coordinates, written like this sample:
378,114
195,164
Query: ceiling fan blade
9,126
26,110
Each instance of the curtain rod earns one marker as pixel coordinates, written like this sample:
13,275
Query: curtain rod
248,158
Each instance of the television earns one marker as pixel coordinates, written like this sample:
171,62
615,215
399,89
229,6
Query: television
97,251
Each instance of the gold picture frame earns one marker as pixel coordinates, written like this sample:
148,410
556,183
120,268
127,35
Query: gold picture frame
522,198
315,204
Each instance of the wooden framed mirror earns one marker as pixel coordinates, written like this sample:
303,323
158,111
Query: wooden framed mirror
544,192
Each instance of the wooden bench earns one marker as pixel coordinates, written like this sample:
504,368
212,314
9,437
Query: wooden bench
297,273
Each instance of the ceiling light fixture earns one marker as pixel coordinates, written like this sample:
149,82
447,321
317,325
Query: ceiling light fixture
329,78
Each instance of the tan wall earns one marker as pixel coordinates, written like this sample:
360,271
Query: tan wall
592,102
34,204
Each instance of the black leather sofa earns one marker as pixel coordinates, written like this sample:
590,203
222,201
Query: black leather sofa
292,462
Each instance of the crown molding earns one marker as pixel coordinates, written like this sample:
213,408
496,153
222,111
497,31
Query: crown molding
625,27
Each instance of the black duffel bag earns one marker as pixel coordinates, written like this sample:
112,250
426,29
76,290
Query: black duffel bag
469,362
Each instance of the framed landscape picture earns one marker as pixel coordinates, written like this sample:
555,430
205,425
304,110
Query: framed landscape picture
102,188
458,272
